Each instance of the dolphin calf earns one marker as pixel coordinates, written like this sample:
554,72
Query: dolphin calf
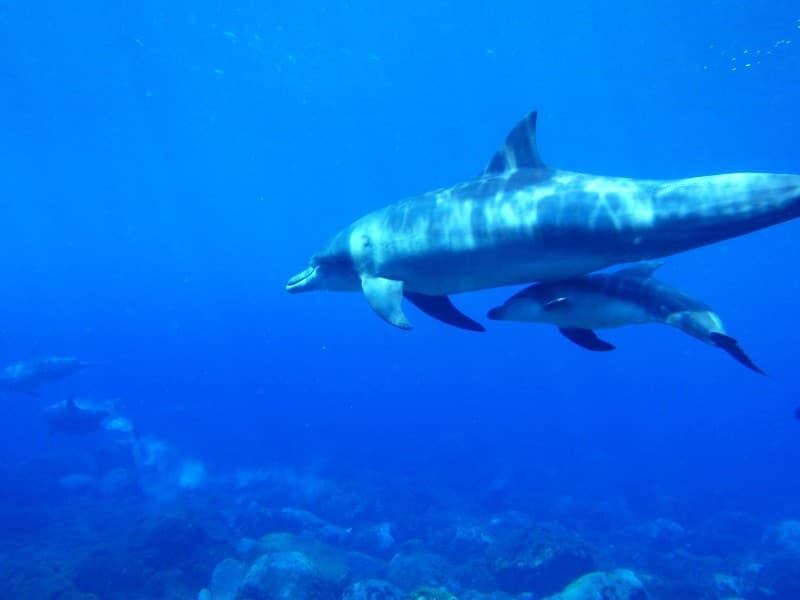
522,221
630,296
27,376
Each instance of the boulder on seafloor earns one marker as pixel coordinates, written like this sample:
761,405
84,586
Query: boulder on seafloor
363,566
181,542
621,584
417,569
377,540
542,560
225,579
778,578
663,534
669,584
779,574
246,549
287,574
298,520
429,593
607,514
105,571
785,537
476,595
372,589
292,567
727,534
731,586
475,574
463,539
74,595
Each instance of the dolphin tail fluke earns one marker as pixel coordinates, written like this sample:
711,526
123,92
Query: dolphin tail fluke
585,338
732,347
441,308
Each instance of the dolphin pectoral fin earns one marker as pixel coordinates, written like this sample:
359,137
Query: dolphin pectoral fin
554,304
441,308
732,347
385,296
585,338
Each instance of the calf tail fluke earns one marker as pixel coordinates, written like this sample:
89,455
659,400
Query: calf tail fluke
732,347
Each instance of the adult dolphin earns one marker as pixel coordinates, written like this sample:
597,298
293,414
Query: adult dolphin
85,416
522,221
629,296
69,416
27,376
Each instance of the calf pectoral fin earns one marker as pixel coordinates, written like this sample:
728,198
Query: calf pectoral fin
732,347
441,308
585,338
385,296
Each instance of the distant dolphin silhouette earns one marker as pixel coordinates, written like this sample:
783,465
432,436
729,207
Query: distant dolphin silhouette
74,416
27,376
630,296
522,221
69,416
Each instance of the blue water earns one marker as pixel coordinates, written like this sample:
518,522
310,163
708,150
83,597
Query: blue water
166,167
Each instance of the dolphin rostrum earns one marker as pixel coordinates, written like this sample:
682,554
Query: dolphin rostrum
522,221
629,296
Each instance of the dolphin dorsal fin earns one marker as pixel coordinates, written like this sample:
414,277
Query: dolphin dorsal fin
642,270
519,150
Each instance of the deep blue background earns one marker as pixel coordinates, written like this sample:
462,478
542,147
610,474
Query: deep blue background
165,169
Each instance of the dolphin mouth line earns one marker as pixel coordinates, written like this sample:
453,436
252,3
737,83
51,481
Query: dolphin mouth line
298,282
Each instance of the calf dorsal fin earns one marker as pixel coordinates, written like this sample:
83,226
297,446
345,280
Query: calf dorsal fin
641,270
